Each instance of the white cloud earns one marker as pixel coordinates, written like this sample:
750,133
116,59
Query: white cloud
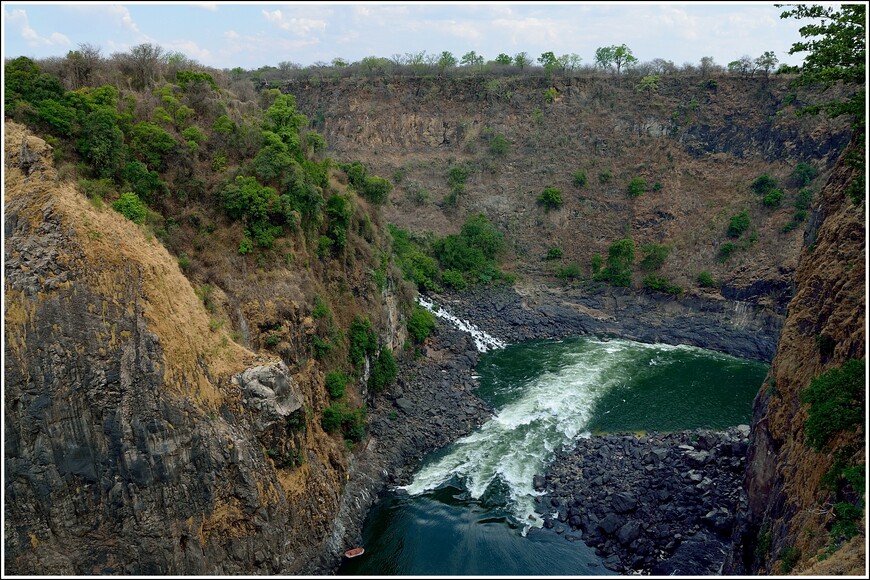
210,6
190,48
31,36
231,34
302,26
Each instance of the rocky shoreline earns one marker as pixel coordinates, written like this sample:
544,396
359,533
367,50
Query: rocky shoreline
654,504
433,403
738,328
430,405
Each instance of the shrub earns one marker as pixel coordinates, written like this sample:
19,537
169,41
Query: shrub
454,279
705,280
183,262
420,324
655,256
620,259
763,184
772,198
384,370
804,199
551,198
725,252
738,224
499,145
336,383
580,179
554,253
803,174
569,272
836,403
637,187
321,347
350,421
661,284
596,264
363,341
321,310
789,558
131,207
605,176
657,186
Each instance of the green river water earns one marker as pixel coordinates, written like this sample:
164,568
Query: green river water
469,508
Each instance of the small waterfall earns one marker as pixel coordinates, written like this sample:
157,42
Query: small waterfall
482,340
741,314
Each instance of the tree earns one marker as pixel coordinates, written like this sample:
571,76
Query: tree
622,57
649,84
471,58
101,141
504,59
141,64
81,64
548,61
707,66
569,62
604,56
837,52
522,60
766,62
446,60
744,66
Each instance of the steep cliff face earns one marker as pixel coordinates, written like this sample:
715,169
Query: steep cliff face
140,439
698,143
787,515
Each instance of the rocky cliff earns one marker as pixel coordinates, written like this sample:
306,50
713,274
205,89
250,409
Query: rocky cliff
788,510
698,143
140,439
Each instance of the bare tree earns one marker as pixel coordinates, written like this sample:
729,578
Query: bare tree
141,65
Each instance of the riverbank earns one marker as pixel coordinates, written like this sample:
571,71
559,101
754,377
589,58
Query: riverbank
741,329
653,504
433,402
430,405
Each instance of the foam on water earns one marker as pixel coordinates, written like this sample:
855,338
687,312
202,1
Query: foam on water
517,443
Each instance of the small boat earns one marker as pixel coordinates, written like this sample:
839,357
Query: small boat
354,552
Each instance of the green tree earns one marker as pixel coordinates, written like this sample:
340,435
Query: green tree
131,207
604,56
446,60
548,61
766,62
649,83
151,144
836,45
623,58
471,58
384,370
620,259
504,59
420,324
101,142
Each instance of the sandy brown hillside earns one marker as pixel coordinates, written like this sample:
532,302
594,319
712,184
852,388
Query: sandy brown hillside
698,143
141,437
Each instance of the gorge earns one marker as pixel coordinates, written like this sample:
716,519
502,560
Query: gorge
226,385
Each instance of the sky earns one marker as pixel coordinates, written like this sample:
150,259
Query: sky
226,35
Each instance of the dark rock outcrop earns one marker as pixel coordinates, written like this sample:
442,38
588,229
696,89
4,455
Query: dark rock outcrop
661,503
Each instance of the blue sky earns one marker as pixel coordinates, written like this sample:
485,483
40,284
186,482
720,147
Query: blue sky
228,35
